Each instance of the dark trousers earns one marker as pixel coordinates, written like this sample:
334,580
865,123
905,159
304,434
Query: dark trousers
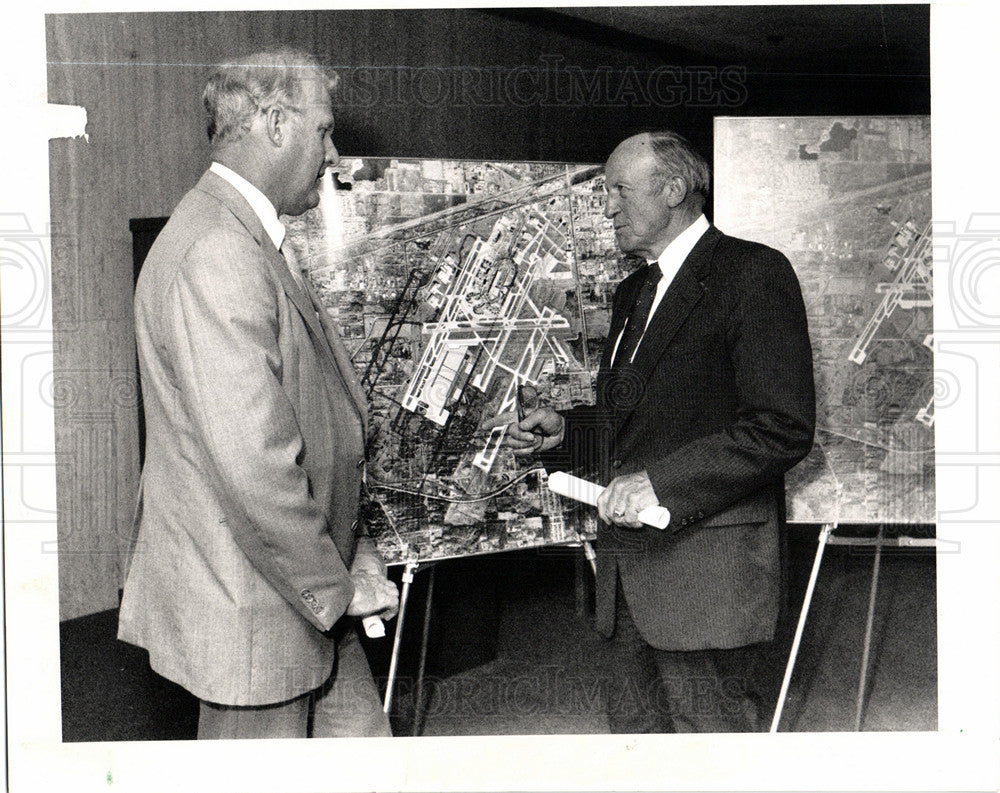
666,691
347,705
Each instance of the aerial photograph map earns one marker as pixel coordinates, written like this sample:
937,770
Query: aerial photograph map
848,201
463,290
468,289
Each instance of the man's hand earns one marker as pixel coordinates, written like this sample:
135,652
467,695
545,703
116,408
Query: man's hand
626,496
542,429
367,559
373,595
373,592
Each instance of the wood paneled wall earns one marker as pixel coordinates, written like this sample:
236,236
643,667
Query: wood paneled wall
431,83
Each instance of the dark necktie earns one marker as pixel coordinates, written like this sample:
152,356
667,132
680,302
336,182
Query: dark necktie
640,314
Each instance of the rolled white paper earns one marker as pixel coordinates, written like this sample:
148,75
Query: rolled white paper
578,489
374,627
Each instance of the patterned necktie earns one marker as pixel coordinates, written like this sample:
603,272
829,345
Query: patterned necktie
640,314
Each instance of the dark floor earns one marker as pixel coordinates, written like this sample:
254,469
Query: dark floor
510,653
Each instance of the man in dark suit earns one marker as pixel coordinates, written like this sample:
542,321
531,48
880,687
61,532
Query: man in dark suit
249,568
704,400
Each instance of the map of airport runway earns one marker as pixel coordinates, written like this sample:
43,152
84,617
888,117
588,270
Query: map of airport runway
464,290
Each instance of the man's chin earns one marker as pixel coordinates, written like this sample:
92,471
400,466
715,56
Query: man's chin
309,202
625,243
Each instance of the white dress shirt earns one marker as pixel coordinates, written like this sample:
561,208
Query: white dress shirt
670,262
264,210
259,202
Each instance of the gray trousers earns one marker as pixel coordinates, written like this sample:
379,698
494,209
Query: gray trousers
669,691
346,706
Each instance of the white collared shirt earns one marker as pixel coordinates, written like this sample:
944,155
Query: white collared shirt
259,202
670,262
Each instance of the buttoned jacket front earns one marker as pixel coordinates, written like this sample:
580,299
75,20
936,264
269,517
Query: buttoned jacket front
717,404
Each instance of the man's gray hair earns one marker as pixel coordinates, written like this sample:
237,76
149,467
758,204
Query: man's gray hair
676,157
239,89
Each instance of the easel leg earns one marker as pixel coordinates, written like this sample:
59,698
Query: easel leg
390,684
863,679
580,584
418,695
824,536
588,551
580,577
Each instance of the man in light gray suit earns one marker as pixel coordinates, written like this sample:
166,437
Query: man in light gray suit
248,569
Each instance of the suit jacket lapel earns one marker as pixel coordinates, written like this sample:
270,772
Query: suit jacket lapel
681,297
230,196
618,320
322,328
326,336
619,316
343,361
678,301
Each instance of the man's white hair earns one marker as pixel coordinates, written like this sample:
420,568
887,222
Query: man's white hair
239,89
676,157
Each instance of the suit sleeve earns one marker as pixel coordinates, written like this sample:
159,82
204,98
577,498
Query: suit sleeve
222,317
587,435
767,343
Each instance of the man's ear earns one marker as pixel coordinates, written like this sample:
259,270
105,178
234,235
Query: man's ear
676,190
275,124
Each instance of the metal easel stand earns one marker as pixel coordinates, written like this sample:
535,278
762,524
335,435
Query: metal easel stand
591,556
826,538
390,686
418,692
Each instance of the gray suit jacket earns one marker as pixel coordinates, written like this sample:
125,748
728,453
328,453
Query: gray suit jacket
716,406
255,441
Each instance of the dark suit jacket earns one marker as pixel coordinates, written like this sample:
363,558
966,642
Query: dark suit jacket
249,491
716,406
